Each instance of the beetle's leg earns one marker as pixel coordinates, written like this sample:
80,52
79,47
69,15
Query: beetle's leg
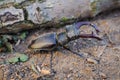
51,64
92,35
78,54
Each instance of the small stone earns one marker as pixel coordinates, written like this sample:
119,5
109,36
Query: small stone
69,75
103,75
92,61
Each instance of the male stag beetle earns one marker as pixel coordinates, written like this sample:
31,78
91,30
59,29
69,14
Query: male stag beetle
50,41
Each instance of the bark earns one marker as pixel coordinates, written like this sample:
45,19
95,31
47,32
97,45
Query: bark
18,15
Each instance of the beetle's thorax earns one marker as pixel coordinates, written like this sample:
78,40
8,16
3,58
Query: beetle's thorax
71,33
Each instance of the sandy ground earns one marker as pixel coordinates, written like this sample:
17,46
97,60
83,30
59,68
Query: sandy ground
102,60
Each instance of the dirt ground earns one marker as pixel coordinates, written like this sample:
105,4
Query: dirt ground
102,60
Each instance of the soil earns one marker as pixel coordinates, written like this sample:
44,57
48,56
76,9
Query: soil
102,61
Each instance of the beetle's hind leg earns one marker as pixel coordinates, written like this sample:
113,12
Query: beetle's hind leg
78,54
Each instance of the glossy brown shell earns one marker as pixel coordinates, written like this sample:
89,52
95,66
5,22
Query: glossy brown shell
44,42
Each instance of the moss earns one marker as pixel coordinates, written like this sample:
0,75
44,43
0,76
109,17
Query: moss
64,19
9,47
16,5
23,35
23,57
5,45
18,57
94,6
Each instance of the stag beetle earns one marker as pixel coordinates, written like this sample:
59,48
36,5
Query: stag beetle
50,41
